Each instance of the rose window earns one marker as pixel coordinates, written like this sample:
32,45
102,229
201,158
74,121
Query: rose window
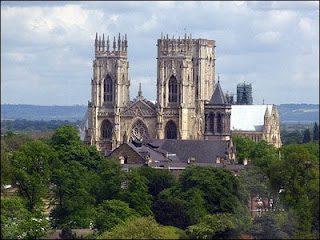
139,131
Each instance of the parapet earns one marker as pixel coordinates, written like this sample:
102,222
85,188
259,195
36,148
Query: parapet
103,48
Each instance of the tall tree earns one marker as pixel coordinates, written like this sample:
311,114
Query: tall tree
31,171
136,193
306,136
315,132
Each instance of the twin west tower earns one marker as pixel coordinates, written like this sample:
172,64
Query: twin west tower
189,104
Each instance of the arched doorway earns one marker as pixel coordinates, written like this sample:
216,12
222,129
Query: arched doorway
171,130
106,129
139,131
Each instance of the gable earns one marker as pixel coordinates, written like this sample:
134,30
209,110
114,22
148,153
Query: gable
126,151
139,109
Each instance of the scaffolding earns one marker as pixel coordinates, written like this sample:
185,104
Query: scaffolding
244,94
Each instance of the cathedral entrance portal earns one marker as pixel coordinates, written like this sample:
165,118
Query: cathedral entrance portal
139,131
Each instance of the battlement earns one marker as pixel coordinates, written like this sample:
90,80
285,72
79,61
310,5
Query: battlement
119,48
181,46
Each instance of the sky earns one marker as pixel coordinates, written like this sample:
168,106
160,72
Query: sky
47,48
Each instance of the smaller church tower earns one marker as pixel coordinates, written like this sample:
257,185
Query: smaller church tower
217,116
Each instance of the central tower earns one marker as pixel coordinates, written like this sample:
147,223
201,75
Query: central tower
185,81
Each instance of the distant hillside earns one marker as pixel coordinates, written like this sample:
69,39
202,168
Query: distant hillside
46,113
291,113
295,113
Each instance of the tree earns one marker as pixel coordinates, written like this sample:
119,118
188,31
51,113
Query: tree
266,227
75,204
14,140
31,171
245,147
137,193
171,213
142,228
158,179
204,190
107,180
6,168
17,222
306,136
315,132
112,212
212,227
297,174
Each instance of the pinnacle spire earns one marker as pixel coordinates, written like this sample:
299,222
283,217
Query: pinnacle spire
139,92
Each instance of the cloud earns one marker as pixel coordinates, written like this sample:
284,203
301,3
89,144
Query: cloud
274,45
268,37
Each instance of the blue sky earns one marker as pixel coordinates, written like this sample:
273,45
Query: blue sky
47,48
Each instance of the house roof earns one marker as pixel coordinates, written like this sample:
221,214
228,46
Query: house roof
248,117
218,96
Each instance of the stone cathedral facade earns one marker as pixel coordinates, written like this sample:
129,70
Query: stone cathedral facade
189,104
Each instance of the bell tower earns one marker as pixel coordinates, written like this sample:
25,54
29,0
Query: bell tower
109,91
185,80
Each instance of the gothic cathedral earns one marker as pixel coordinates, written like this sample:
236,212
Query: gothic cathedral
186,107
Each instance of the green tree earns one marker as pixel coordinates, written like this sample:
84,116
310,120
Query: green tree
107,180
142,228
205,190
306,136
112,212
31,171
171,213
315,132
266,227
158,179
136,193
245,147
75,204
297,174
15,140
6,168
212,227
17,222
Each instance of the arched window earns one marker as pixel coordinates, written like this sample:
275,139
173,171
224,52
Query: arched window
211,123
106,129
219,123
139,131
173,89
171,130
108,89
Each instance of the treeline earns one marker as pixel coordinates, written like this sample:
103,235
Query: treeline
89,191
23,125
300,136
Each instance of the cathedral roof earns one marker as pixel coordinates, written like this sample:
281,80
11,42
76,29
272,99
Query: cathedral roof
218,96
204,152
248,117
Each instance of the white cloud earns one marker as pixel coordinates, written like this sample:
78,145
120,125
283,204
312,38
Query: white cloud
268,37
262,41
20,57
